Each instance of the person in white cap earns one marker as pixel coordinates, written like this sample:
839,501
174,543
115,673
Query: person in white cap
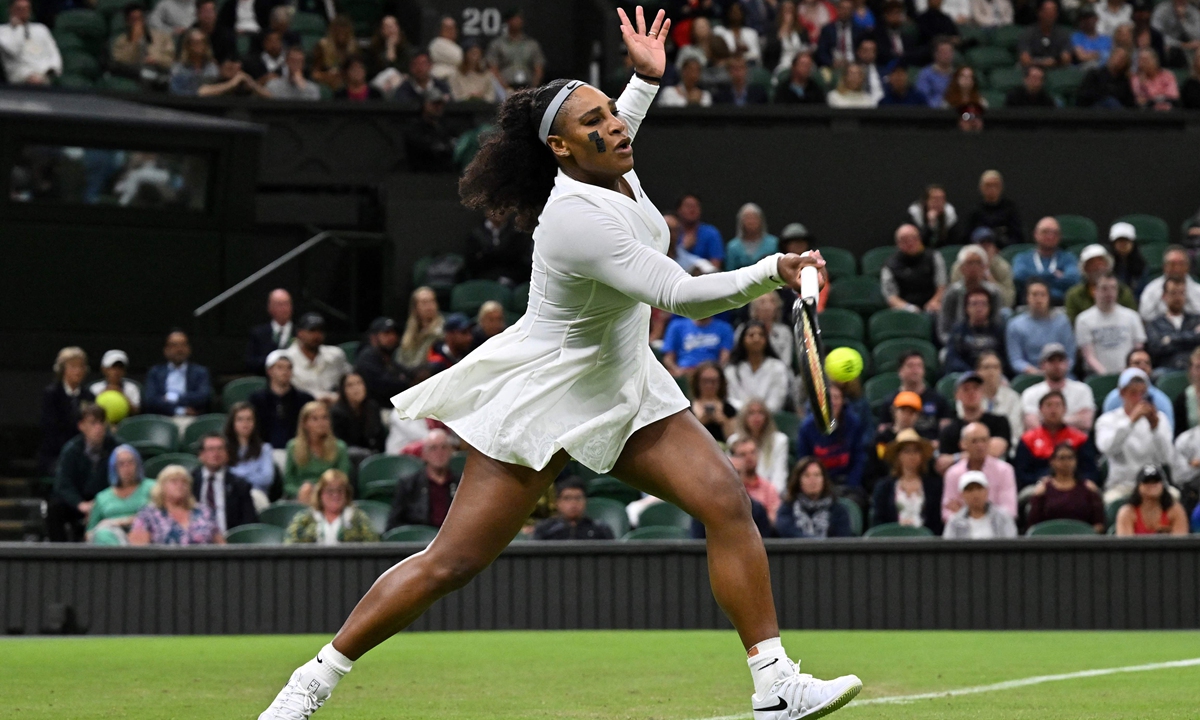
975,441
113,365
1133,435
1176,265
1106,333
1128,263
1094,261
978,519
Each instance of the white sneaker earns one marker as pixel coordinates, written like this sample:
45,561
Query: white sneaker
304,693
800,695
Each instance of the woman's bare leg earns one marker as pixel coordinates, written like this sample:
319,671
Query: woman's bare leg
492,503
677,460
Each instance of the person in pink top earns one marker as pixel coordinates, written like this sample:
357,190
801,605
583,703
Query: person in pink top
1154,87
744,455
1002,481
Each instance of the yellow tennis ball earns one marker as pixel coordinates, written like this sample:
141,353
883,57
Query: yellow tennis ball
843,364
116,406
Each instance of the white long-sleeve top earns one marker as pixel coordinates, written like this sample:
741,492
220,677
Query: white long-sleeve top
770,383
28,50
1128,446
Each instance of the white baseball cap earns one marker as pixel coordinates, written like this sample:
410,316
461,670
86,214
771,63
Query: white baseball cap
972,477
1128,375
1122,230
1096,250
112,357
276,356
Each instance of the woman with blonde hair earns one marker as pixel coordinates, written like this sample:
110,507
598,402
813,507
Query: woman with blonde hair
60,405
471,79
756,422
851,90
422,330
332,50
334,518
314,450
173,516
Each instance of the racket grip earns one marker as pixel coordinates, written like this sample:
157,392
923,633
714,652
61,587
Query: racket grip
810,282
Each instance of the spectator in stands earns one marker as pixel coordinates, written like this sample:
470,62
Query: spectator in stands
112,366
471,79
890,40
82,473
998,272
814,15
998,397
963,90
375,365
251,456
1039,444
1064,494
1111,15
232,80
195,66
1187,406
317,368
934,24
1141,359
1095,263
1133,435
969,407
456,342
1045,44
914,277
934,411
1179,23
851,90
809,508
280,22
742,41
220,39
752,242
974,335
837,40
1029,333
766,309
424,497
418,86
755,421
428,142
754,371
1081,404
1090,48
277,406
689,343
786,39
996,211
934,79
1047,261
1151,509
332,50
497,250
978,517
248,18
333,518
739,92
270,62
973,263
744,456
709,400
177,387
294,85
1107,86
140,52
1000,479
897,90
570,521
706,47
357,419
1189,94
128,492
841,451
489,322
515,58
1145,35
444,51
1172,336
390,50
867,55
1128,264
421,330
1186,469
1154,87
219,489
1031,92
1107,332
688,93
314,450
1176,265
273,335
800,86
173,516
991,14
354,82
911,494
61,401
172,16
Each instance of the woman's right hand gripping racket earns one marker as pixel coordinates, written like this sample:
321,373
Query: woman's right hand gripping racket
811,351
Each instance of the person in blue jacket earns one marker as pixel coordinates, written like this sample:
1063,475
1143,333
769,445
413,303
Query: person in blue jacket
1048,262
840,452
809,509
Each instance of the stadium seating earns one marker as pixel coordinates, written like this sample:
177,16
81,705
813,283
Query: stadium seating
841,323
377,511
840,263
1173,383
1024,381
519,301
891,324
1005,79
855,513
949,255
787,423
150,434
201,426
255,534
378,470
153,466
1150,228
879,387
466,297
610,488
1015,249
423,534
874,259
1101,386
861,349
610,512
281,513
240,390
1061,526
1076,229
664,513
860,294
945,386
886,355
351,348
88,25
894,530
656,532
986,58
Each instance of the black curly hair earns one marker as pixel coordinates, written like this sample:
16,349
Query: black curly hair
514,170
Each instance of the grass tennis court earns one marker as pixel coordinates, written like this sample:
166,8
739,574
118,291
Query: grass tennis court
604,674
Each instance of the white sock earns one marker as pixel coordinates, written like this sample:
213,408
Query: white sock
768,664
331,664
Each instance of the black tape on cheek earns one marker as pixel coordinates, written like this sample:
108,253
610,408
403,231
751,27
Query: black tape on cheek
594,136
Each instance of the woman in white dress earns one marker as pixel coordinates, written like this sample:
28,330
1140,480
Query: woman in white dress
576,378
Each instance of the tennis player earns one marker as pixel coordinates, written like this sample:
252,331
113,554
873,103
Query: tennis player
576,378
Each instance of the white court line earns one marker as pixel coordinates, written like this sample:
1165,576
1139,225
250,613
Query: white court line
1006,685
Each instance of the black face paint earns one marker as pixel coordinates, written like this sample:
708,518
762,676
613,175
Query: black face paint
594,136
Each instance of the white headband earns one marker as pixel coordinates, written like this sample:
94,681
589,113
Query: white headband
552,109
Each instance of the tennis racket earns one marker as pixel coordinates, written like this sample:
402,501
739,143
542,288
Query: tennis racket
811,351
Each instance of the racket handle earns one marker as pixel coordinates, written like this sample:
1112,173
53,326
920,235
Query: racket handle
810,282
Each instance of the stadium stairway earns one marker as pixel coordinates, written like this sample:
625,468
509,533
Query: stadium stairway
22,516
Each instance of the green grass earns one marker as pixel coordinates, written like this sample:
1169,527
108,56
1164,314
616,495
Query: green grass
642,675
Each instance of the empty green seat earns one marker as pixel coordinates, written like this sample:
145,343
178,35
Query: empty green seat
656,532
874,259
281,513
1007,37
150,434
411,533
467,297
80,62
377,511
610,512
890,324
387,469
880,387
887,354
949,255
365,14
255,534
152,467
985,58
307,23
241,389
1065,81
1003,79
946,386
75,81
1024,381
458,462
1101,386
664,513
381,490
351,348
855,513
843,323
201,426
1150,228
88,25
1077,229
857,293
116,83
1173,383
610,488
892,530
1061,526
839,262
787,423
995,98
519,302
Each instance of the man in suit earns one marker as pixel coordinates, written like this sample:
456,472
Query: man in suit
889,37
214,485
177,387
837,40
274,335
739,91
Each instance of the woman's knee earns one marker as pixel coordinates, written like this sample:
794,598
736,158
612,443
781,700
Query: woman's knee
723,500
452,571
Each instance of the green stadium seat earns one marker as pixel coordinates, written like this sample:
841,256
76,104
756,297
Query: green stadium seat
610,512
855,513
945,386
986,58
88,25
581,471
201,426
685,386
656,532
467,145
994,98
606,487
458,462
67,41
74,81
1065,81
381,490
255,534
949,255
309,42
519,301
787,423
377,511
1061,526
857,293
1005,79
111,8
1153,253
843,323
1007,37
874,259
1101,386
281,513
116,83
1077,229
1173,383
1023,381
840,263
423,534
365,14
886,355
860,348
80,62
150,434
387,468
466,297
106,537
894,530
308,23
241,389
664,513
1150,228
973,35
1111,509
1014,250
152,467
880,387
351,348
890,324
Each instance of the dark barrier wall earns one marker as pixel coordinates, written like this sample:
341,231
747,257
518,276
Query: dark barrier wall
1029,583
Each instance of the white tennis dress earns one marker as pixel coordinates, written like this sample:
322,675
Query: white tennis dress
577,372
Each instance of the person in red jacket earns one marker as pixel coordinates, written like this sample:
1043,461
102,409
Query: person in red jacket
1032,462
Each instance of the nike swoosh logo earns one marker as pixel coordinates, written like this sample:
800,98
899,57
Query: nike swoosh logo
320,660
764,667
781,706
